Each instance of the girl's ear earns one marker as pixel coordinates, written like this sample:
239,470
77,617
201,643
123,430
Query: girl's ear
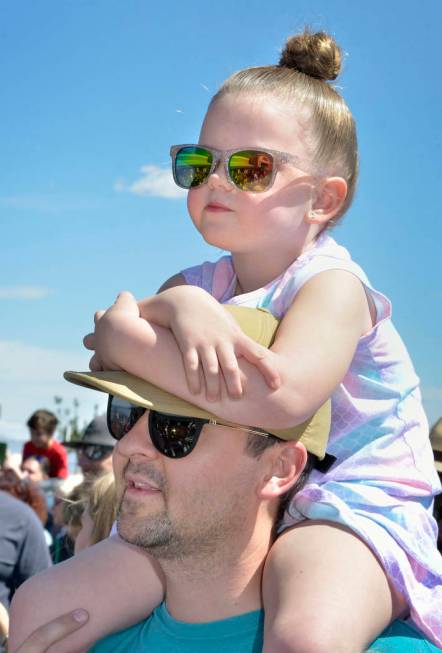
286,464
330,198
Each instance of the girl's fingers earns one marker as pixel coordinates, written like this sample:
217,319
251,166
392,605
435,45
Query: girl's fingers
262,359
209,362
42,638
89,341
98,315
126,302
192,370
230,370
95,365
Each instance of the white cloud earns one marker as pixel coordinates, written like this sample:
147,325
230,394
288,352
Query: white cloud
155,181
24,292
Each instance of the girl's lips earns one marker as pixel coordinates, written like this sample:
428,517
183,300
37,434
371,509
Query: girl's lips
217,207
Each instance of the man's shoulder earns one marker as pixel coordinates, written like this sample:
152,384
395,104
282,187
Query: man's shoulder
161,633
130,639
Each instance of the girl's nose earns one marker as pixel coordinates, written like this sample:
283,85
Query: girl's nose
137,441
218,178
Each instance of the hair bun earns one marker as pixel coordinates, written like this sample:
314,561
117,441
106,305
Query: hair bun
315,54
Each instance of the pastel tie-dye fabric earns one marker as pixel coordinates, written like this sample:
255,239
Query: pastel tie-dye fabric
383,482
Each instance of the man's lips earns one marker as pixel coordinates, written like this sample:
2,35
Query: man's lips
136,485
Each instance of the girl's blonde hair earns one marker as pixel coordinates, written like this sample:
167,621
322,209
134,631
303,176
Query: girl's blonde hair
99,498
308,61
101,502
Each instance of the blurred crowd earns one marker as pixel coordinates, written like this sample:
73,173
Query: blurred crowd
47,513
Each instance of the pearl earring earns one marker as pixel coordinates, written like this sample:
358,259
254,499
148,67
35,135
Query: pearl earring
313,216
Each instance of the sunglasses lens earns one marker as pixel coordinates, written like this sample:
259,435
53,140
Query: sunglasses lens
172,435
96,452
122,416
192,166
251,170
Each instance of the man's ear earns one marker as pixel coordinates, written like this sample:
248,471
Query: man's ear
286,464
329,200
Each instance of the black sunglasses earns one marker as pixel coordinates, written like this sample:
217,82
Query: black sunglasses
95,452
174,436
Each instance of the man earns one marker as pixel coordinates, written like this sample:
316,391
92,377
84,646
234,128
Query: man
94,448
203,497
42,425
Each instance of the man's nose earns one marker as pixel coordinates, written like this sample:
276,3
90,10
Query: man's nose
137,441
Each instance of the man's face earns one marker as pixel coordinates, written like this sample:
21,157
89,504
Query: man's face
31,469
95,460
176,508
40,438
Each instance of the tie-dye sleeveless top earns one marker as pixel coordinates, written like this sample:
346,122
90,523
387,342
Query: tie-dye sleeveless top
384,479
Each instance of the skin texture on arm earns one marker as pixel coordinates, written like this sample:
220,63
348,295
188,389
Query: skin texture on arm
99,579
314,347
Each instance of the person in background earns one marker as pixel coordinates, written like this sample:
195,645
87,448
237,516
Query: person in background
94,448
42,425
28,492
436,443
90,511
63,546
4,628
23,548
36,468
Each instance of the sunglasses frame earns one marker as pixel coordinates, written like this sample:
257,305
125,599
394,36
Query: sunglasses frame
198,423
279,159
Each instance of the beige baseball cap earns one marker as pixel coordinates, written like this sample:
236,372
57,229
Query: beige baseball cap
258,324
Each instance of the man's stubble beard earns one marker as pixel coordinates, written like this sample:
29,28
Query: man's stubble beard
205,535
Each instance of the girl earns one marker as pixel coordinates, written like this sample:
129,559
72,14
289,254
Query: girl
275,168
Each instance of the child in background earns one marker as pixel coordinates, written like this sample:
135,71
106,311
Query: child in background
42,425
275,168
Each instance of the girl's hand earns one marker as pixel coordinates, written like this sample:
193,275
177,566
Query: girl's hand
42,638
211,342
107,323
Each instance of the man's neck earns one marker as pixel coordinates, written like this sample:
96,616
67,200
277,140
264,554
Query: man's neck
220,586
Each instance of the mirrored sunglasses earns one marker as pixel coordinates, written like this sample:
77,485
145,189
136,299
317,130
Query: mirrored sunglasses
248,169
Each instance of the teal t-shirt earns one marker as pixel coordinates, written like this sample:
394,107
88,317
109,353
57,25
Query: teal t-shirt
160,633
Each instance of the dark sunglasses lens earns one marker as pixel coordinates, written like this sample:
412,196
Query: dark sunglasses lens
192,166
122,416
251,170
95,452
172,435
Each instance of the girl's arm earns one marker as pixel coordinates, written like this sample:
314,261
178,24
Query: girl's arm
315,344
115,582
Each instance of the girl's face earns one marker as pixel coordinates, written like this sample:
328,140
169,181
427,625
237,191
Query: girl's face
244,222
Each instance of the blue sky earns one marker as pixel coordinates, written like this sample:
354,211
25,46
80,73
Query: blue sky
93,92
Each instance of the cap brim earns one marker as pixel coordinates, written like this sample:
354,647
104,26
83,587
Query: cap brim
257,324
